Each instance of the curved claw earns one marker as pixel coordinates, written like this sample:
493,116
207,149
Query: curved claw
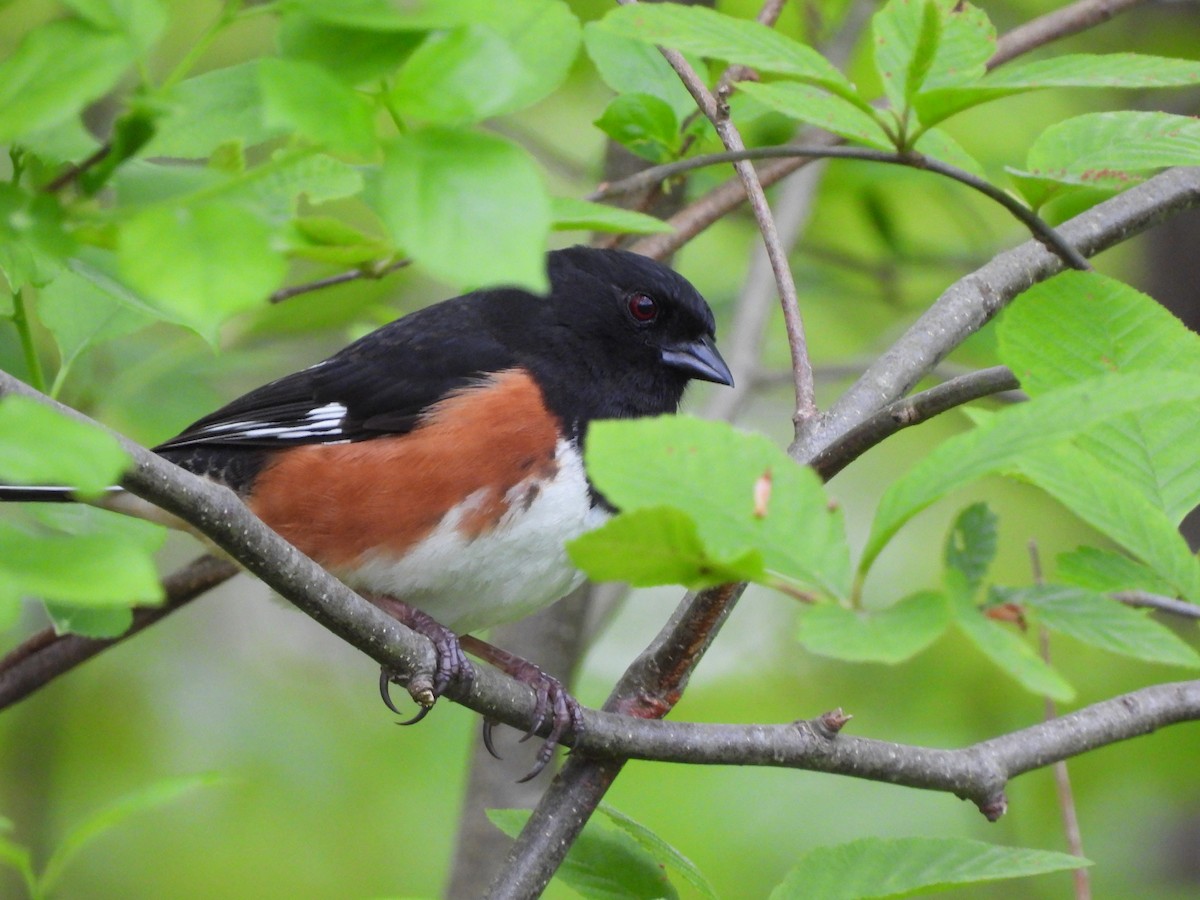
423,711
488,725
565,711
385,691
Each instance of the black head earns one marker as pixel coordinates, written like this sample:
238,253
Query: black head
621,335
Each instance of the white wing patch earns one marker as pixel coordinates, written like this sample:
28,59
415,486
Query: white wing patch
322,422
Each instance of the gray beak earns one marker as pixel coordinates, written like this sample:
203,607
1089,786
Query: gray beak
700,359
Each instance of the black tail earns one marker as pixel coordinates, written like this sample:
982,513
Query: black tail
37,494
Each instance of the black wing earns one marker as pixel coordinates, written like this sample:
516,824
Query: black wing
381,384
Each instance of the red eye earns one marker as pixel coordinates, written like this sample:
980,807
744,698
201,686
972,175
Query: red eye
643,308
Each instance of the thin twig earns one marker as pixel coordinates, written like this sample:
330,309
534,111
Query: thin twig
370,271
72,172
794,203
1055,25
742,346
1159,603
1062,778
717,111
910,159
911,411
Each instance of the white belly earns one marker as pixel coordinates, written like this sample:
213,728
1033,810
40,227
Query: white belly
509,571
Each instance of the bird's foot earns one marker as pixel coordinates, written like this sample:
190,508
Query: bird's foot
451,663
554,704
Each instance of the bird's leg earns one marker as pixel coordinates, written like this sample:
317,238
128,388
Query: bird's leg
451,663
553,701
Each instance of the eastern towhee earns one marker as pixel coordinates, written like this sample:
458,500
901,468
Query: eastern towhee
436,464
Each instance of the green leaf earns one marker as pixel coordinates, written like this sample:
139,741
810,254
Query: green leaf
1008,651
908,48
604,863
694,29
459,76
441,192
104,820
80,313
41,446
1111,504
658,545
102,622
971,544
929,36
633,67
212,109
97,570
1073,70
1106,571
57,70
202,264
659,849
1047,343
1099,70
569,214
503,58
889,635
899,867
543,35
33,243
1047,420
1111,151
353,55
307,100
643,124
809,104
1106,623
754,497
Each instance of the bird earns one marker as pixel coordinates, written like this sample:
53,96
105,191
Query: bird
435,465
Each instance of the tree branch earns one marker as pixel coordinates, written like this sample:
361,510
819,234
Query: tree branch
1051,27
910,411
977,773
